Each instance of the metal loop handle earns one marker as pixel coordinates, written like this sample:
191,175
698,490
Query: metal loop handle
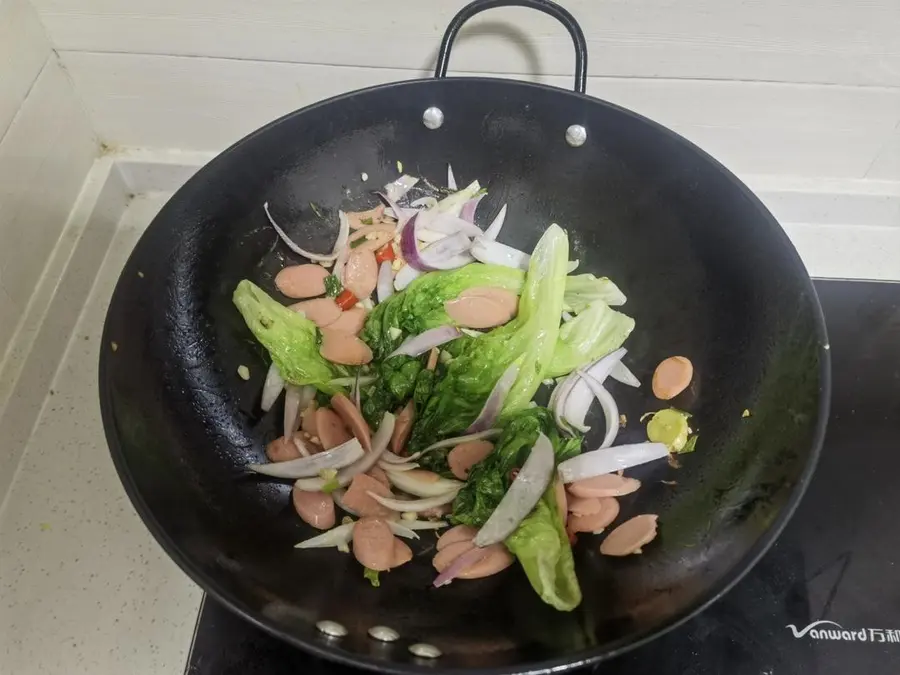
545,6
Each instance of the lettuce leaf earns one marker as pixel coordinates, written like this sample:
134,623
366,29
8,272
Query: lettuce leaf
291,339
528,340
592,334
395,385
542,548
584,289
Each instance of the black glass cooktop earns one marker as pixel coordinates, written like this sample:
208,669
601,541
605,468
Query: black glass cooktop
824,601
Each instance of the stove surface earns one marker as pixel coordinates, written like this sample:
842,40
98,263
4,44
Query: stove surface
825,600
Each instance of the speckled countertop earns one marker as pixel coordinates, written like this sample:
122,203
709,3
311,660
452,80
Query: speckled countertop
84,588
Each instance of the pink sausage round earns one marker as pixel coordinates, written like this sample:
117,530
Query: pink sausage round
349,413
607,485
301,281
331,429
321,311
597,521
496,559
343,348
356,217
373,544
361,273
402,553
282,450
585,506
507,299
630,536
380,475
455,535
464,456
477,312
403,428
449,553
308,419
358,500
315,508
350,321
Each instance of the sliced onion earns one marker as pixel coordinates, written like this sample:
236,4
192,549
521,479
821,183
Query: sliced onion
343,233
402,215
319,257
292,401
413,505
380,441
338,497
571,266
424,203
610,409
385,286
390,458
494,403
423,342
405,276
422,488
567,317
427,236
400,530
396,189
467,212
272,388
522,496
304,467
364,380
441,255
493,230
575,407
559,399
357,392
621,373
447,223
494,253
403,466
609,460
425,524
341,262
452,442
454,203
451,179
336,536
460,565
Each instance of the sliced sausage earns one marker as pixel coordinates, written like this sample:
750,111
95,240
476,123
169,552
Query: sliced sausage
373,544
477,312
672,377
585,506
496,559
315,508
356,218
371,231
331,429
301,281
403,428
343,348
464,456
508,299
350,415
449,553
437,511
361,273
358,500
308,419
607,485
597,521
321,311
402,553
630,536
350,321
282,450
381,476
433,356
378,240
455,535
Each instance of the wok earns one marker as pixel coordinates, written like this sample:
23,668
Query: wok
708,272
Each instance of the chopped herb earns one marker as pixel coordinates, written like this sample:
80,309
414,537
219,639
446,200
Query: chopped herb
669,426
399,166
669,482
690,446
357,242
372,576
623,421
746,413
316,209
333,286
331,481
367,221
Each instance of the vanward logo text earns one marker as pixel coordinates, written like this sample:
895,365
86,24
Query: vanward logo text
829,630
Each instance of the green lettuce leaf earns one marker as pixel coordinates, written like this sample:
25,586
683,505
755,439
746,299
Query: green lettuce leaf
528,340
291,339
395,385
541,546
584,289
592,334
373,577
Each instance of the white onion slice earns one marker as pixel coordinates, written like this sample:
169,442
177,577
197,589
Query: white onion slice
319,257
609,460
621,373
575,407
343,233
427,236
560,399
338,497
414,505
494,403
467,212
425,524
421,488
572,266
400,530
385,286
390,458
405,276
350,381
403,466
396,189
292,402
608,404
424,203
336,536
304,467
451,179
493,230
522,496
341,262
452,442
272,388
423,342
494,253
447,253
454,203
447,223
356,390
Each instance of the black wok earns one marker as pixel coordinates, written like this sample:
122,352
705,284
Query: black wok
708,272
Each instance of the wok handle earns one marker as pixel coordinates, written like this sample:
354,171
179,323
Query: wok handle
545,6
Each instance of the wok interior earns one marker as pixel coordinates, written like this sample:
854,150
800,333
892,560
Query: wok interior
708,275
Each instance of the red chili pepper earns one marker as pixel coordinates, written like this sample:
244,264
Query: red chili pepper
385,253
345,300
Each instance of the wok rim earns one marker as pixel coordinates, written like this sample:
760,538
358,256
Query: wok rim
583,658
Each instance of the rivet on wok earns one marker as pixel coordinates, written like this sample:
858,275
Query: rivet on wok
383,633
433,117
576,135
331,628
425,651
